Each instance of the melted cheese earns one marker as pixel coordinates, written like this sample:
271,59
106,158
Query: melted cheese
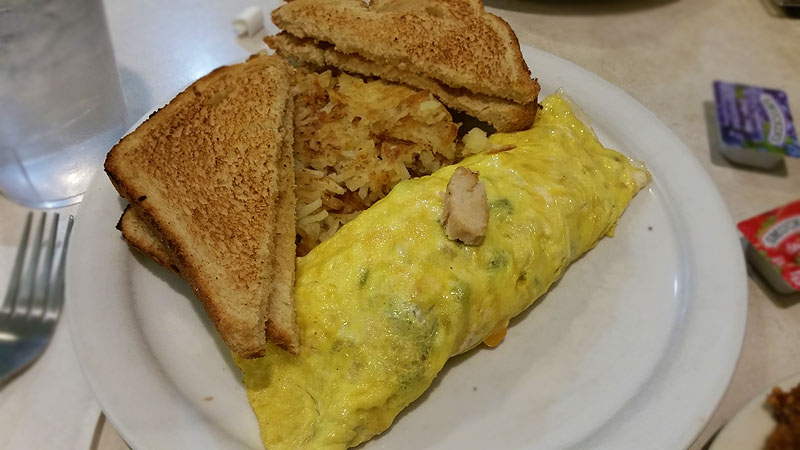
387,300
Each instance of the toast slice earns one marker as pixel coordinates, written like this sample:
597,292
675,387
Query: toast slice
454,42
202,173
502,114
281,325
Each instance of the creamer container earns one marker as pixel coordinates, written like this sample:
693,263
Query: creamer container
755,124
774,246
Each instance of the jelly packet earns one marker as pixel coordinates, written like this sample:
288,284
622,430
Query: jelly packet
755,124
774,246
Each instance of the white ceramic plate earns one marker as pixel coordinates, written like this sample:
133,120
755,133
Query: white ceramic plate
750,427
632,349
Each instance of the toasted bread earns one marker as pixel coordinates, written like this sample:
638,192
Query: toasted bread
137,233
202,172
502,114
281,326
452,41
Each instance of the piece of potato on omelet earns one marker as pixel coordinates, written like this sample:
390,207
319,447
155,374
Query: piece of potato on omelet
388,299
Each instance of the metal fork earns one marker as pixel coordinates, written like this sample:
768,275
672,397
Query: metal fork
34,298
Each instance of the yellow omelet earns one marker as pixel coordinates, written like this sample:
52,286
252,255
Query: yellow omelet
388,299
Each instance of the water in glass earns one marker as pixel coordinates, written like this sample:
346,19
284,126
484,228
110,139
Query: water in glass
61,106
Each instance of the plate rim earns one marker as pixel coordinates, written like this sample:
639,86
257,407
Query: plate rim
737,286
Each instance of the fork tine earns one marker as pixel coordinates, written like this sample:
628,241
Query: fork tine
56,295
16,272
28,281
42,286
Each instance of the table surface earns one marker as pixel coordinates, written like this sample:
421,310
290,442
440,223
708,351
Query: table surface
664,53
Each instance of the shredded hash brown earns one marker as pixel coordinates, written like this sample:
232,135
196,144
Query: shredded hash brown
355,139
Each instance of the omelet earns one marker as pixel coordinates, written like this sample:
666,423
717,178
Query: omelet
389,298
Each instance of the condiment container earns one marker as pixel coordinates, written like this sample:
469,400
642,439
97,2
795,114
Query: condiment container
755,124
773,246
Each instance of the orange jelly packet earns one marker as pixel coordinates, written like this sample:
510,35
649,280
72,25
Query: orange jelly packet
774,246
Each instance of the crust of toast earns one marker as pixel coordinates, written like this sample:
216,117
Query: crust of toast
140,236
201,172
504,115
453,41
281,324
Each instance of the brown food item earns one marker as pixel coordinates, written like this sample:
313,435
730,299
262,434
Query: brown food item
202,173
466,211
281,326
355,139
502,114
786,411
468,58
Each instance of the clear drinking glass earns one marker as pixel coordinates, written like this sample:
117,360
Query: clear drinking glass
61,106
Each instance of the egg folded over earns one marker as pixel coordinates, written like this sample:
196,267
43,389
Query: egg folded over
388,299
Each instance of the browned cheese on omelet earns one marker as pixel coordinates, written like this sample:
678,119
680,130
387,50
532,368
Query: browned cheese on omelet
389,298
